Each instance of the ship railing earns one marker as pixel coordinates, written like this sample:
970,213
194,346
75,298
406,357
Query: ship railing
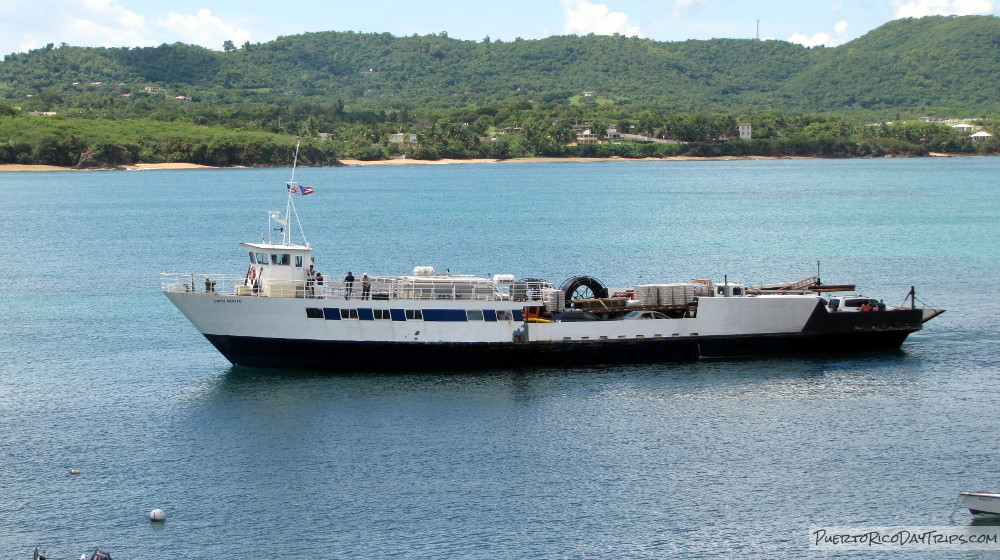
394,288
382,288
228,284
200,283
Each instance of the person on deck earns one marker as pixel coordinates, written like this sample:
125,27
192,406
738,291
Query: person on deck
319,284
310,281
366,286
348,285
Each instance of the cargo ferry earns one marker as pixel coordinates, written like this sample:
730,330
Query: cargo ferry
280,313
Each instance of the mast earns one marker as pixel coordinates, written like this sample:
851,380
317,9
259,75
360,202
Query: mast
292,187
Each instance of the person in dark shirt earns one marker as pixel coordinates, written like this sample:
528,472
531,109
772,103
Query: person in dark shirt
348,285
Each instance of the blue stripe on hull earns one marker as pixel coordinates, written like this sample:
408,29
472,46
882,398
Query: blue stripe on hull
340,355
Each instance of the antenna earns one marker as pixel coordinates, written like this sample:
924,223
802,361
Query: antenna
292,188
295,158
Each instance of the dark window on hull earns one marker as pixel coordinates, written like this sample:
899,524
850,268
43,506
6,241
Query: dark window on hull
414,315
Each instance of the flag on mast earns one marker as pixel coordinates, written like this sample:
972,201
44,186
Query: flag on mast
295,189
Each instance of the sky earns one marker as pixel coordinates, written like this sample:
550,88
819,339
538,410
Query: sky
31,24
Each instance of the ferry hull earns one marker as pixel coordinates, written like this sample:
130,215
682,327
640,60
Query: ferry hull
410,356
277,332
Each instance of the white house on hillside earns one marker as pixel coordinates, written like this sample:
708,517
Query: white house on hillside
403,137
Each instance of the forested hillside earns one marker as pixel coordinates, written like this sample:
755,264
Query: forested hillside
939,63
911,63
376,96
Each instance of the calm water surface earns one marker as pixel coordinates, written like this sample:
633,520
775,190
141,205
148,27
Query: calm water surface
739,458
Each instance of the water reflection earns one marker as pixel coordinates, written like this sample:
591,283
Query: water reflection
881,375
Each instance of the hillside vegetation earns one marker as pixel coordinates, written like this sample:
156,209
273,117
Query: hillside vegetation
939,62
349,91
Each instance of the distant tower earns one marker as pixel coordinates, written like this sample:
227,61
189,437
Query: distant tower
758,30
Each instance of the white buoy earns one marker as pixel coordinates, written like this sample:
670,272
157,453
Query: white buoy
157,515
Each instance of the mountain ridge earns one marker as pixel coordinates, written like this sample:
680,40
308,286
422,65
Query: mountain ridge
933,62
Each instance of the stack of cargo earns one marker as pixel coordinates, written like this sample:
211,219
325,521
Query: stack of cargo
676,294
664,295
647,295
702,288
553,299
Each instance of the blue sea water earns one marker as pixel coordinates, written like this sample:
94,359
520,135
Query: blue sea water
738,458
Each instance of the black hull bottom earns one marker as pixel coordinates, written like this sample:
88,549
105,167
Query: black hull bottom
339,355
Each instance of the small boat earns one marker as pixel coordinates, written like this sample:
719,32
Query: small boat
981,504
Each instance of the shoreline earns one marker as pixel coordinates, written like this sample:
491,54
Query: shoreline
134,167
361,163
12,167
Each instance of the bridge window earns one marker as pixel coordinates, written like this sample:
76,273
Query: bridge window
283,259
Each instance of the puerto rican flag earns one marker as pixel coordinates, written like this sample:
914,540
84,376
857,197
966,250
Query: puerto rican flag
295,189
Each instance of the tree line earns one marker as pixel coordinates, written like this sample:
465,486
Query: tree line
266,135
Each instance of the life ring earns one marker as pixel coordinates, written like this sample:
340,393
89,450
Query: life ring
252,273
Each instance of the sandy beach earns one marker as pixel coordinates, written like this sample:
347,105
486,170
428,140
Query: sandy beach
357,162
136,167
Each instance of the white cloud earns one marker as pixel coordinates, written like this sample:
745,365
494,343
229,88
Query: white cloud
107,23
583,17
921,8
90,22
682,7
202,29
833,39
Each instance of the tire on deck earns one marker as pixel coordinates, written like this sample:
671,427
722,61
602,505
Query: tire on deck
583,287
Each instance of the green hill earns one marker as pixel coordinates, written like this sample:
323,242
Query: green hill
946,63
909,63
